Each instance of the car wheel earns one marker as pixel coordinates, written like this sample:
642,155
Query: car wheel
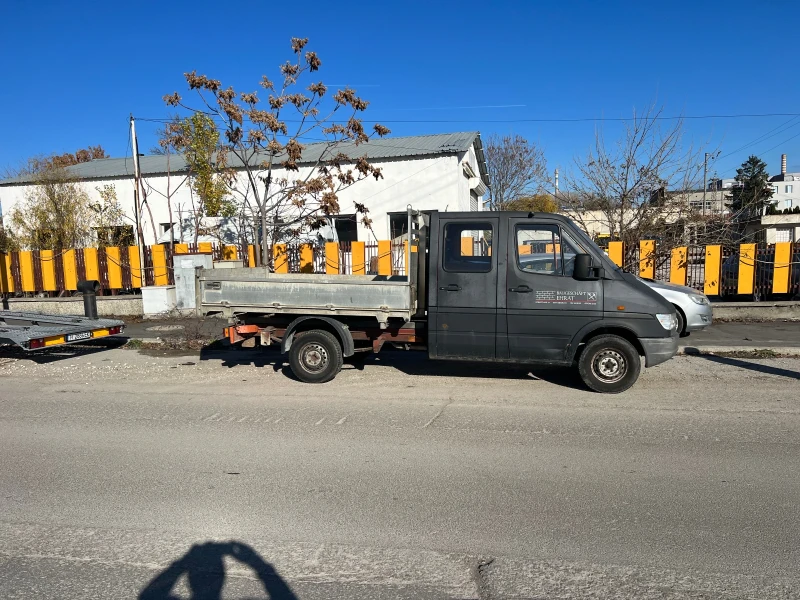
681,322
609,364
315,356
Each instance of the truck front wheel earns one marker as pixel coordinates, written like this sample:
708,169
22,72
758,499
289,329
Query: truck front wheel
315,356
609,364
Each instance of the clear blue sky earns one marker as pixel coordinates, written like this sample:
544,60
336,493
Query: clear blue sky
73,71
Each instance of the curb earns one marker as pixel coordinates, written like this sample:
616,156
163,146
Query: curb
776,350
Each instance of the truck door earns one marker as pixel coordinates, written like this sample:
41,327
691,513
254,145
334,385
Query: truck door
546,307
465,316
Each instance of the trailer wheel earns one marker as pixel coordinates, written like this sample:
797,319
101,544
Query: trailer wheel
315,356
609,364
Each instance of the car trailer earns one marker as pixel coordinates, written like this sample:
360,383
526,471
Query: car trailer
34,331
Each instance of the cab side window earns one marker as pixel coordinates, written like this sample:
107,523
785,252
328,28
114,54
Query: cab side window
468,247
543,250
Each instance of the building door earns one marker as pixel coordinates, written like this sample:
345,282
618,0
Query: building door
465,320
545,306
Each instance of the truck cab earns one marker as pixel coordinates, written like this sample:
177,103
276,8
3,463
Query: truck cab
533,288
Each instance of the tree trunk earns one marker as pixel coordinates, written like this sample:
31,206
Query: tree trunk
264,240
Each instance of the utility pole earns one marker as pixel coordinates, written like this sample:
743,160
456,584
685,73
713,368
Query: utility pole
136,196
556,189
705,181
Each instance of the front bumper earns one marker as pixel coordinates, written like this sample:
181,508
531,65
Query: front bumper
698,317
659,350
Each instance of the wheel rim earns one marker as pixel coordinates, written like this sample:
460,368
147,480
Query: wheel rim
314,357
609,366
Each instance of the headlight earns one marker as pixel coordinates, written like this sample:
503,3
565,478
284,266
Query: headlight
668,321
698,299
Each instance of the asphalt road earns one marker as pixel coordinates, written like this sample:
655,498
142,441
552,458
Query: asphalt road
127,474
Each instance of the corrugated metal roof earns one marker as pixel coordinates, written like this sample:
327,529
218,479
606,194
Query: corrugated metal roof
378,149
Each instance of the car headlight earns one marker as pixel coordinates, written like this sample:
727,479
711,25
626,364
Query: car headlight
699,299
668,321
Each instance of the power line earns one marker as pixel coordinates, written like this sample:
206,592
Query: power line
555,120
764,137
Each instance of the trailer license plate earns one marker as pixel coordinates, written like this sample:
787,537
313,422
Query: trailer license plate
74,337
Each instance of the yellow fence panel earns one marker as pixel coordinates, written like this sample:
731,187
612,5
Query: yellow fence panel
306,258
712,270
48,271
136,266
230,253
524,249
280,258
678,265
466,246
332,258
615,253
26,271
783,259
70,270
91,264
181,248
359,258
205,248
6,280
251,256
647,259
385,255
160,276
747,268
114,268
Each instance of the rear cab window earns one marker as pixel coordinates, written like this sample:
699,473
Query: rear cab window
468,247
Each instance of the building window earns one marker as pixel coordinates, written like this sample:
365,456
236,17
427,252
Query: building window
775,189
783,234
398,225
788,189
346,228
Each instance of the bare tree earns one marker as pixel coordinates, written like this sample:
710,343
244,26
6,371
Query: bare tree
166,146
516,168
290,191
638,186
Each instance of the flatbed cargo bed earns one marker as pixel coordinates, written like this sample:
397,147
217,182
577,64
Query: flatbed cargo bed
34,331
257,291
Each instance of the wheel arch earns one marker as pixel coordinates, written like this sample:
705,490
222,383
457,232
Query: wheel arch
583,337
337,328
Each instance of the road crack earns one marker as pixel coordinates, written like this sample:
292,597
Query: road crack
479,574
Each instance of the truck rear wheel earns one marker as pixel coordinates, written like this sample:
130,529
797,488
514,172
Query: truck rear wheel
609,364
315,356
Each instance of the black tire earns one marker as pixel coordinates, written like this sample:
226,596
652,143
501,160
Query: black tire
315,356
609,364
681,322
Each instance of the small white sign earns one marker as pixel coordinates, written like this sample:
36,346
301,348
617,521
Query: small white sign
186,263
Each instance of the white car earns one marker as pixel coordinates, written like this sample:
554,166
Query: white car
693,307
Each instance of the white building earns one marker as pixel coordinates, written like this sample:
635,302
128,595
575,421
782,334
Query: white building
785,188
445,172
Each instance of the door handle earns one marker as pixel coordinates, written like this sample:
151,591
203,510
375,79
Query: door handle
523,289
451,288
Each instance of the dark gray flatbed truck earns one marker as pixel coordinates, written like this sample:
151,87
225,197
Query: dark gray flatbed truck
504,287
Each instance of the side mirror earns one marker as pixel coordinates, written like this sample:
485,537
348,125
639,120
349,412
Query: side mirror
583,270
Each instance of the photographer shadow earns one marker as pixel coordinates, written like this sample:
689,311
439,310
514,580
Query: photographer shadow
204,568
